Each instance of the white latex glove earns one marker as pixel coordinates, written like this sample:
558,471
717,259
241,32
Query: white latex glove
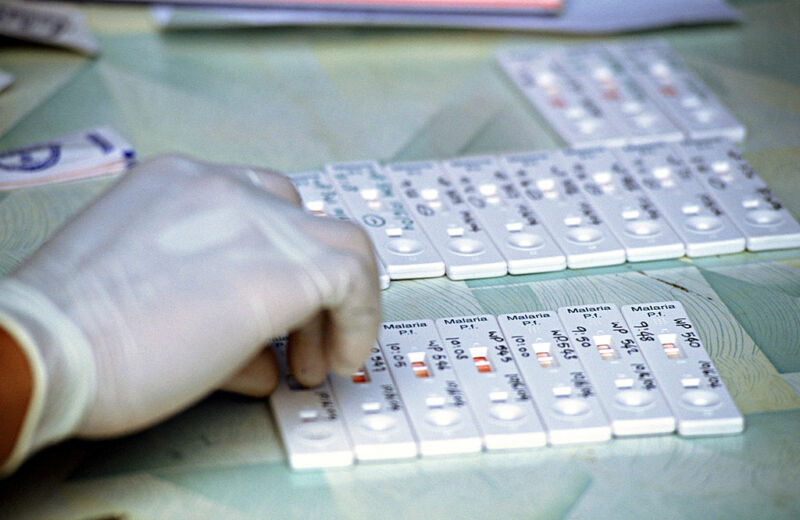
172,283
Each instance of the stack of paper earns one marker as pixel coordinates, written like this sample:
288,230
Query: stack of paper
485,6
568,16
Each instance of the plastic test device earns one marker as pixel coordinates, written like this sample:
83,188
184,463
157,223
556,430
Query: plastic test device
684,98
572,221
679,361
516,382
563,392
369,195
694,214
615,89
477,217
748,201
437,405
309,420
508,216
559,97
373,412
448,220
616,195
499,396
630,394
320,198
636,92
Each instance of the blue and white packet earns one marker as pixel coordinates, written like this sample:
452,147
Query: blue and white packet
92,153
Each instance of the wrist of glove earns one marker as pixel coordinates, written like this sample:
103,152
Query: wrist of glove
170,285
64,378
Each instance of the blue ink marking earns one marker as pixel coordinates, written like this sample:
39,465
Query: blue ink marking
31,159
130,158
100,141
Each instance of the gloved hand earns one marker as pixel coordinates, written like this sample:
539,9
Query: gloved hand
170,285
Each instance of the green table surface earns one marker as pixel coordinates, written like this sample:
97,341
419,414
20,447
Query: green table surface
294,99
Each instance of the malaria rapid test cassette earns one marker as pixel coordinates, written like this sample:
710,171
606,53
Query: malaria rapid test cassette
448,220
508,216
750,204
691,383
617,196
682,96
576,226
635,92
321,199
373,412
559,97
309,420
693,213
499,396
465,384
436,402
631,396
616,91
533,212
651,175
400,244
565,398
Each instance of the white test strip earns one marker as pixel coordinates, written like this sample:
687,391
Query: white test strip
694,215
668,80
629,212
748,201
571,220
321,199
369,196
497,392
373,412
437,406
309,421
638,118
563,393
450,223
684,369
508,217
627,388
559,97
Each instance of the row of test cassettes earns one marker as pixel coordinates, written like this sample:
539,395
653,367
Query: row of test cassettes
464,384
634,92
480,217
